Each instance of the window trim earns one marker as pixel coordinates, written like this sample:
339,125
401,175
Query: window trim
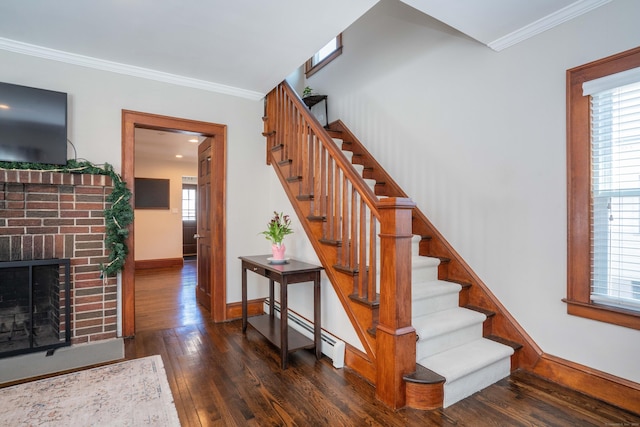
310,69
579,192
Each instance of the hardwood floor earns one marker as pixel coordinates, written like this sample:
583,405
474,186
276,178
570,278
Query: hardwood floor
219,377
166,298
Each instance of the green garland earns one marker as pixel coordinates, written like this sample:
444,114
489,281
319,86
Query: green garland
118,216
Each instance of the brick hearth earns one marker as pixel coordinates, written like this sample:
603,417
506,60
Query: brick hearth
47,215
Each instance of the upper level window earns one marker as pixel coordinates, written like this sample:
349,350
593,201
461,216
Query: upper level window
328,53
603,158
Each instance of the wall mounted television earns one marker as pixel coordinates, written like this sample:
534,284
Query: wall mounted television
33,125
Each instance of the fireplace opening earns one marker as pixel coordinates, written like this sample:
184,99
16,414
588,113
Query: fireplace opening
34,306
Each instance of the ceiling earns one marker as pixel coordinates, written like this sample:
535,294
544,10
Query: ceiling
167,146
240,47
503,23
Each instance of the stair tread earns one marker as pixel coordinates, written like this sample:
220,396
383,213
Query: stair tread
422,261
423,375
445,321
432,288
514,345
485,311
457,362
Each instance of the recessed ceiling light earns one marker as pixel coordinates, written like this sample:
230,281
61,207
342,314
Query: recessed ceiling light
193,140
179,156
4,107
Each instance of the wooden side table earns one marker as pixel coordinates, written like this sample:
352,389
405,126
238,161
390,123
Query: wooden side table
277,330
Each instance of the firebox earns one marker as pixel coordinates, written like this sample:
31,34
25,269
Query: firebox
34,306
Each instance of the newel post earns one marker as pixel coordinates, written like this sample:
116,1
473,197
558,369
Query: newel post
395,336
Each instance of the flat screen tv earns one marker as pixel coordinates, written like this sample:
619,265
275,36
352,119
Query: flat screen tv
33,125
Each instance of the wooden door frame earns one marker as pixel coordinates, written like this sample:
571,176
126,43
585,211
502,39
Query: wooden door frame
132,120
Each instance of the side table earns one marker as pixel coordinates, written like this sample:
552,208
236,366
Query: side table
277,330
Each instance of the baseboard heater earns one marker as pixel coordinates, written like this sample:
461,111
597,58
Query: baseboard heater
332,347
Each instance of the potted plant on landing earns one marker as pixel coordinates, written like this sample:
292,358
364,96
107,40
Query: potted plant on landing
307,92
277,229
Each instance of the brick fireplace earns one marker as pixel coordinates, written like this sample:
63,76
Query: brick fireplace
45,215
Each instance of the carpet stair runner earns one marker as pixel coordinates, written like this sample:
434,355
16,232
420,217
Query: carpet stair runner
450,341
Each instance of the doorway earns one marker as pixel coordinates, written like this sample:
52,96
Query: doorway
216,258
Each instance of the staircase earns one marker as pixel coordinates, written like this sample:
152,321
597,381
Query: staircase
450,341
432,331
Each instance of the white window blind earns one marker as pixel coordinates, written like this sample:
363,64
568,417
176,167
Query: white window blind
615,162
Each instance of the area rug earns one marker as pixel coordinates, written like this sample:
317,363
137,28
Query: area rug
131,393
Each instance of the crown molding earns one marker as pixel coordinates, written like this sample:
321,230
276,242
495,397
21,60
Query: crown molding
565,14
130,70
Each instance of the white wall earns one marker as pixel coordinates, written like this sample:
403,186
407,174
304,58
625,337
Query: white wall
477,139
158,232
96,101
300,296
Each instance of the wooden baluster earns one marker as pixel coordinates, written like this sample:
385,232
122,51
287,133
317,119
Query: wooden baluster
349,219
307,161
330,198
300,162
316,202
373,261
323,181
266,125
280,118
363,265
287,129
338,203
291,141
287,123
345,232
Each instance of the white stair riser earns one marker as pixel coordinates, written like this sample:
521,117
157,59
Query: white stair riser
424,272
426,347
428,305
467,385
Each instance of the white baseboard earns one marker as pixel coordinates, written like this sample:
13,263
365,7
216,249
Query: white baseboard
331,346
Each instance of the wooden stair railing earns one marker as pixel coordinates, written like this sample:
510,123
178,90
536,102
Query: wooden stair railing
500,326
342,216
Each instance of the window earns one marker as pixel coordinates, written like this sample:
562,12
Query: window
188,202
328,53
603,162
